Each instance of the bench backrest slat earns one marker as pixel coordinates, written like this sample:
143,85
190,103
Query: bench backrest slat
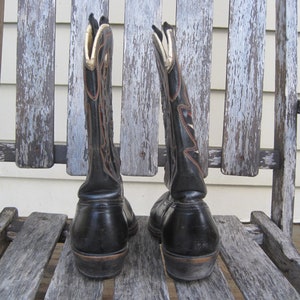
141,92
1,29
35,84
77,134
244,87
285,114
194,43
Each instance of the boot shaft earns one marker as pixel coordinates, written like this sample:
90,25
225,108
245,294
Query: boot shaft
103,175
183,169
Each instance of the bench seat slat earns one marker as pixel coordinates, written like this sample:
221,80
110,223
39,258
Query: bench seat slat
77,134
24,261
143,273
141,90
35,84
255,274
68,283
244,87
280,247
215,287
194,42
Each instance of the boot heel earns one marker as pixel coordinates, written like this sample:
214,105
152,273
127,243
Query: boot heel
189,268
100,266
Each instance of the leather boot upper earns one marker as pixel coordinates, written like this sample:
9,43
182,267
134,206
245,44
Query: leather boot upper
104,218
183,170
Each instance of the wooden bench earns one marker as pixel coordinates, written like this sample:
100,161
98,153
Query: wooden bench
260,257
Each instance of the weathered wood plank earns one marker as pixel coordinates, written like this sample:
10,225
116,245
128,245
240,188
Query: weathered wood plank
68,283
7,152
1,30
244,87
16,226
285,114
255,233
143,273
23,262
6,216
214,287
35,84
279,247
141,90
254,273
194,45
269,159
77,134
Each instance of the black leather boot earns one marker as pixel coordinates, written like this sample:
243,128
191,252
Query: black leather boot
180,218
104,219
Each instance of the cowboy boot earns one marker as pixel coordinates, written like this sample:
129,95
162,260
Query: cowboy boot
104,219
180,218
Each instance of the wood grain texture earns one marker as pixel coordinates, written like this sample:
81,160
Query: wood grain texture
285,114
6,216
269,159
194,46
141,90
143,273
7,152
254,273
35,84
214,287
1,30
77,134
255,233
244,87
280,248
22,264
68,283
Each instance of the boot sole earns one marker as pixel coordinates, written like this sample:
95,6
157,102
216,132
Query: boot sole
100,266
189,268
